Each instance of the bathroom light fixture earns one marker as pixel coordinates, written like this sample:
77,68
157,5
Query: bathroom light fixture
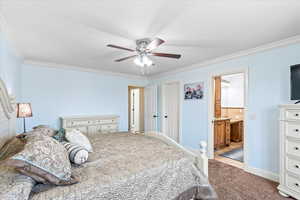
225,83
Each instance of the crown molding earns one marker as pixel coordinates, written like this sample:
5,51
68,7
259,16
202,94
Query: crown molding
262,48
81,69
9,36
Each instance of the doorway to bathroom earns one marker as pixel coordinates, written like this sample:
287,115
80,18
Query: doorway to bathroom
228,120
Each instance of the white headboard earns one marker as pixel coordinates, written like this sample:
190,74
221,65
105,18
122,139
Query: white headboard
7,115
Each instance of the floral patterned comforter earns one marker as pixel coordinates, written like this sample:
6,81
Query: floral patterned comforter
14,186
132,167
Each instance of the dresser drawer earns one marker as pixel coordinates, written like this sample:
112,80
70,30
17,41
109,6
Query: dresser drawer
293,183
108,121
79,123
292,114
293,129
108,127
293,148
293,165
94,129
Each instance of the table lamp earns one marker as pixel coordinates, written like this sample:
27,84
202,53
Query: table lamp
24,111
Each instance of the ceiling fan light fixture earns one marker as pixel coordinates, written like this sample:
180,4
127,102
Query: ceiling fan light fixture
144,49
143,61
138,61
147,61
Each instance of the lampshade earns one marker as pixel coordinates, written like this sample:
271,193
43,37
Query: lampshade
24,110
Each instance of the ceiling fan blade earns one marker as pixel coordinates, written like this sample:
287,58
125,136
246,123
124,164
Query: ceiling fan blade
168,55
119,47
122,59
154,44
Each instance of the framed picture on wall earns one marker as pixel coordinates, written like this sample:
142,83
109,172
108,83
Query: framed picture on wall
193,91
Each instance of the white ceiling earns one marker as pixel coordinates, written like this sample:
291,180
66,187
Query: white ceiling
76,32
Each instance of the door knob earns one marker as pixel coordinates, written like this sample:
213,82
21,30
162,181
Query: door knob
166,116
155,116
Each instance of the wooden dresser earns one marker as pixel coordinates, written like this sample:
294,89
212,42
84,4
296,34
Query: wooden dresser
221,133
289,143
92,124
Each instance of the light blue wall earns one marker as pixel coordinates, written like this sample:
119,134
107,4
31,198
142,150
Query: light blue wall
59,92
269,86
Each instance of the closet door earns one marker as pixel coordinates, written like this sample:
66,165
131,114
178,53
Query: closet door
150,108
170,110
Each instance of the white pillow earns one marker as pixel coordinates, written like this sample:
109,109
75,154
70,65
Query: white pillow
76,137
77,154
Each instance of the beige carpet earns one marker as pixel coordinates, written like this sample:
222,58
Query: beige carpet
232,183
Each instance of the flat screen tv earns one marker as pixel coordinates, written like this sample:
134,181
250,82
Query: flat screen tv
295,82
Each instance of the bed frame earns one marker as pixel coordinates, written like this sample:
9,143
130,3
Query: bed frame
101,124
201,157
8,119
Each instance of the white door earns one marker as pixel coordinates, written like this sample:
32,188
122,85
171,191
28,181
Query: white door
151,108
170,110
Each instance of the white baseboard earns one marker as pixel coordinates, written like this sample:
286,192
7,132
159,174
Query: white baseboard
263,173
252,170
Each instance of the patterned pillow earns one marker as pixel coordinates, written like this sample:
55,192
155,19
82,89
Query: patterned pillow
76,137
45,130
14,186
45,158
77,154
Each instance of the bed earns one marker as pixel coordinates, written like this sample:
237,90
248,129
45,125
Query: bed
123,166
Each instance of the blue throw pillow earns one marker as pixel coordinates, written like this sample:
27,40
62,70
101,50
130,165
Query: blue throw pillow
60,136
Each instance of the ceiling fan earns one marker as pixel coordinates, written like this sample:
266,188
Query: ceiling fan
144,49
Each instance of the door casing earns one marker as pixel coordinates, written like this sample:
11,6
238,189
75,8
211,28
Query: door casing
141,107
210,137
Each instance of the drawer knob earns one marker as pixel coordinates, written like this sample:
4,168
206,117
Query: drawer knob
296,130
297,166
296,148
296,184
296,114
